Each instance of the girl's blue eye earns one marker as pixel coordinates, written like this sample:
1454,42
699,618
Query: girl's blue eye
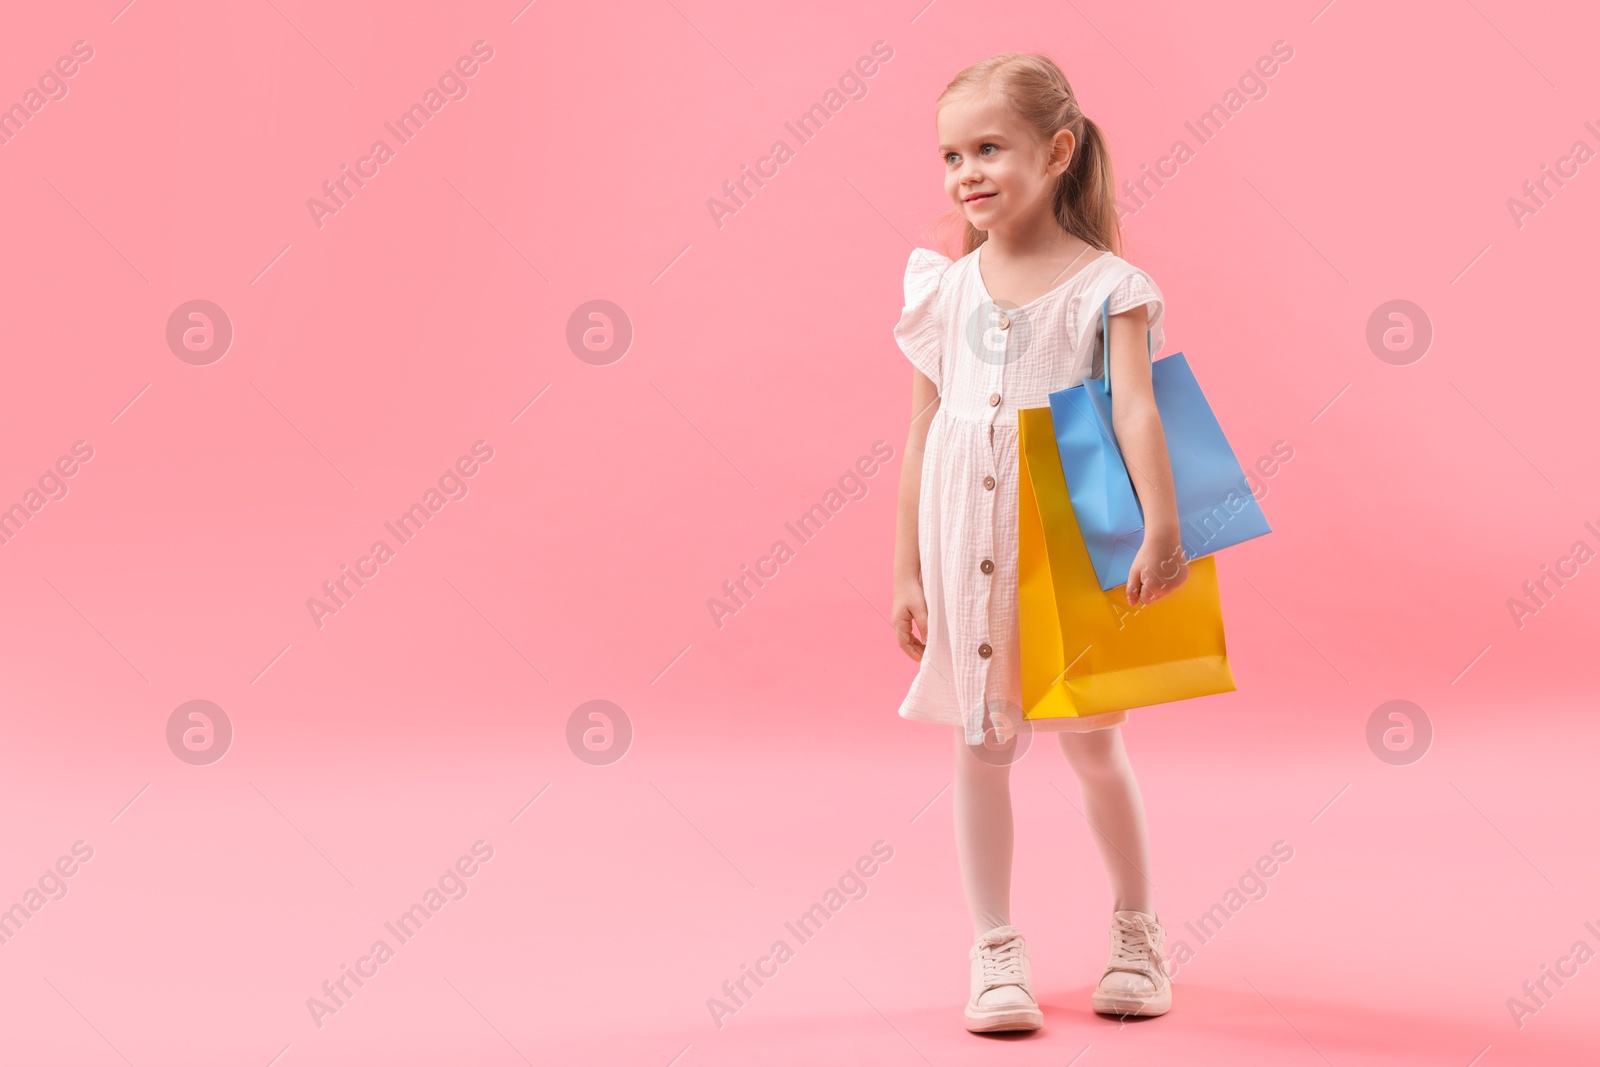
986,144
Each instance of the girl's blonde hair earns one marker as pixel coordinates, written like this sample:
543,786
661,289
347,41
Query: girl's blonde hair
1040,95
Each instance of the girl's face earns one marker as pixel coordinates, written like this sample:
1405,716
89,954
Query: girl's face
996,172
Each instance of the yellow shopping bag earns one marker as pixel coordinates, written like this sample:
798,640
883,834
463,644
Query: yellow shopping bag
1087,651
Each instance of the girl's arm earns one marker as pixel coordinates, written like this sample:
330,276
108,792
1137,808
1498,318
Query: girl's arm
1159,567
909,602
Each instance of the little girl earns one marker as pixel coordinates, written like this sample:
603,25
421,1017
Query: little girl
1014,319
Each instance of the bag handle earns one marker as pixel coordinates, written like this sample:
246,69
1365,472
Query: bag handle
1105,342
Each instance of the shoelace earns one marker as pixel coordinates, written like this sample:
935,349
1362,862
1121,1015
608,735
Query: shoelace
1135,945
1000,950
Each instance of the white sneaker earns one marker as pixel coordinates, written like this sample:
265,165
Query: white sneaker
1002,995
1136,979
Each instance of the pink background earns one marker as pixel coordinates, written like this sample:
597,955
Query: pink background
428,313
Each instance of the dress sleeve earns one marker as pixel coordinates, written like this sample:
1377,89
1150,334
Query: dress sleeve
1139,288
919,331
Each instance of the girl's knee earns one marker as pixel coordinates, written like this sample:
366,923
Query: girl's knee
977,761
1094,753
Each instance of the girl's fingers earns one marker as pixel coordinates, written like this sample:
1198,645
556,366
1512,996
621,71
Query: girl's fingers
908,638
918,646
1146,589
1146,586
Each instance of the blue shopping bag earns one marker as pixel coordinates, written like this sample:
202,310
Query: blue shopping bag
1216,508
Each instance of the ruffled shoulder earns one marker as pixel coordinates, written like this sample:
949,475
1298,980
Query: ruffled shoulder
919,332
924,270
1139,288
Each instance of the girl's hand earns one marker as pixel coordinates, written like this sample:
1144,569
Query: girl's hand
910,605
1159,567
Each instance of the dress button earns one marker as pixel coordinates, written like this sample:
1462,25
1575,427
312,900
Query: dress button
994,400
1005,321
987,566
988,481
984,650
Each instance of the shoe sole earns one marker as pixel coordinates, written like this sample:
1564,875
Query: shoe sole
1015,1019
1132,1005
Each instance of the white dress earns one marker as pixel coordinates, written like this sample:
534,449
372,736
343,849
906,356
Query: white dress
988,362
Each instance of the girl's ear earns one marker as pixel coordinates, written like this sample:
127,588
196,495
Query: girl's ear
1062,148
